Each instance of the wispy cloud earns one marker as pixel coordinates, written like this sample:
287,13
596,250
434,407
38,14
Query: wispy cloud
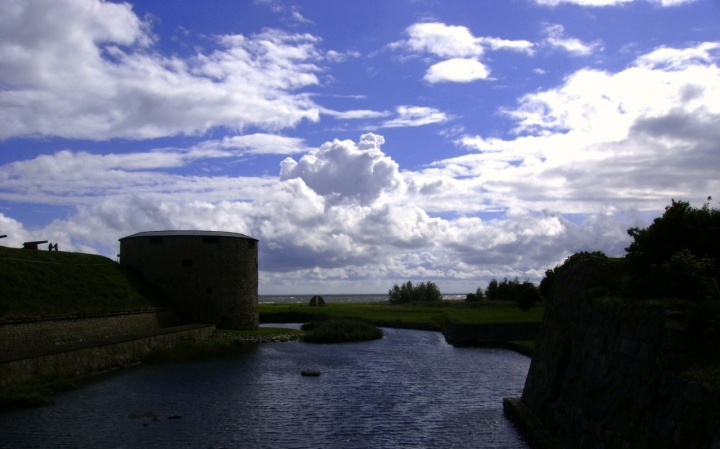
88,70
556,38
415,116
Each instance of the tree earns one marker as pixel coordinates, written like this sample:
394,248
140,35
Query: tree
525,293
408,292
491,292
676,255
478,296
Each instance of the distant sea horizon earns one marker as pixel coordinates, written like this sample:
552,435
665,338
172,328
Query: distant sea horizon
339,298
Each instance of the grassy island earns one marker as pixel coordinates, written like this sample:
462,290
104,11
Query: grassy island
340,331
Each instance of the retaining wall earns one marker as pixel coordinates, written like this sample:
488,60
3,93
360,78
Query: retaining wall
491,333
603,375
83,359
33,334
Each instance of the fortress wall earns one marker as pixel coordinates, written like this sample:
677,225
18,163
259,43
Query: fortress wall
27,335
603,376
84,359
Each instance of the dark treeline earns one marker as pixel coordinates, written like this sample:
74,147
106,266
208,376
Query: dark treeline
524,293
407,292
675,257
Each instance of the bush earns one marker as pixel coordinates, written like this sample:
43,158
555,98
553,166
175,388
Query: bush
551,274
340,331
408,292
478,296
528,298
676,255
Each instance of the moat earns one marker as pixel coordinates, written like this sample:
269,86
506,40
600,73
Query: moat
410,389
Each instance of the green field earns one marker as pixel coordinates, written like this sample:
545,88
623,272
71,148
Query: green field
415,313
38,284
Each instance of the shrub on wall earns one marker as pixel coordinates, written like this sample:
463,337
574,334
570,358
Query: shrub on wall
570,262
676,255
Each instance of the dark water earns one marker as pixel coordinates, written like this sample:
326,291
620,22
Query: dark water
409,389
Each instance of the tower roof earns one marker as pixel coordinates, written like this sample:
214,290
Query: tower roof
187,233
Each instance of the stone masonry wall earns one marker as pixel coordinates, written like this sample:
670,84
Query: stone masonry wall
27,335
206,282
603,374
84,359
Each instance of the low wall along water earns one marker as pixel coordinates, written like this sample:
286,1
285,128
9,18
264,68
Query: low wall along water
93,357
33,334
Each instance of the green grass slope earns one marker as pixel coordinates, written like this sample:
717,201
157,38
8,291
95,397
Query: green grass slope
42,284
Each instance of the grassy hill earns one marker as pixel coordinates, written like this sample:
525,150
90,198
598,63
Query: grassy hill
41,284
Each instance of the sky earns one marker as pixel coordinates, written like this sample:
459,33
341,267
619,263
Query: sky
363,143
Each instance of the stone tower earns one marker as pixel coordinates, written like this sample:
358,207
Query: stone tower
208,276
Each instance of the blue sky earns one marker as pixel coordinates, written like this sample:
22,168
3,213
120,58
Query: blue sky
363,143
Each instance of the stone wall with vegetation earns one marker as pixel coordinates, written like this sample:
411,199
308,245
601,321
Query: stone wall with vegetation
33,334
84,359
604,374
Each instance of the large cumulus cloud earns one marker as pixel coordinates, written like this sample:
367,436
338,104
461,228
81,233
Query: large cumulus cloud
344,171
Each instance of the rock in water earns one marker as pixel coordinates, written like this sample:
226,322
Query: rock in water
310,372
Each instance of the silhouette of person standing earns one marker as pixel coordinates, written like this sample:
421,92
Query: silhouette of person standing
50,246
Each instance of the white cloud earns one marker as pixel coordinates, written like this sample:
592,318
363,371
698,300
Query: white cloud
342,215
296,16
87,69
416,116
343,171
263,144
356,114
459,45
336,56
596,3
633,139
441,40
494,43
448,41
576,47
457,70
583,2
588,155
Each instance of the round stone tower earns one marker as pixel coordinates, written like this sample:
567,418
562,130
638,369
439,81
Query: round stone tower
209,276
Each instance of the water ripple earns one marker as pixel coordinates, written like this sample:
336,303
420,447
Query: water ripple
409,389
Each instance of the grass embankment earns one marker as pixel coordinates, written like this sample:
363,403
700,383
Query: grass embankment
215,347
41,284
527,343
35,393
340,331
433,314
